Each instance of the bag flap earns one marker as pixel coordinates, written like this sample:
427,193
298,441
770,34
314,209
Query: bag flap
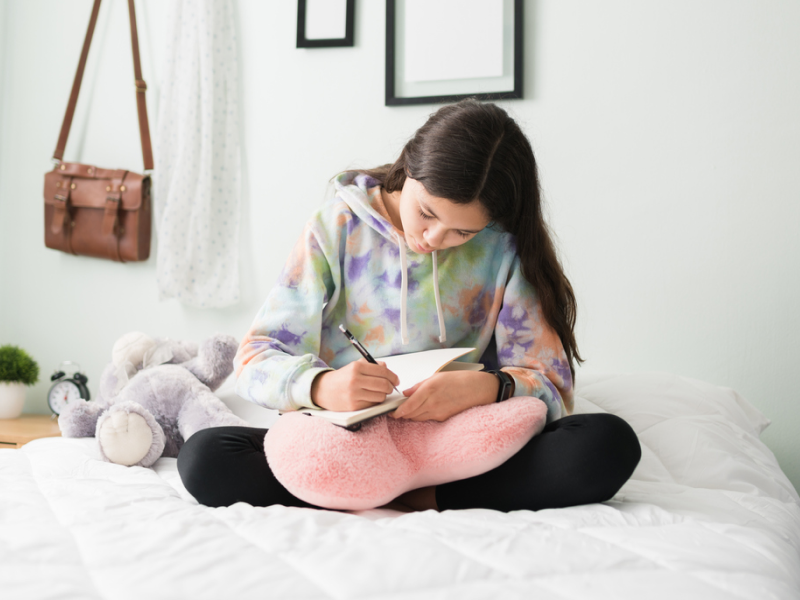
90,185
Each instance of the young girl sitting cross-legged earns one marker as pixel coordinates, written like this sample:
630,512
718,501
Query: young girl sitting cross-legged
447,247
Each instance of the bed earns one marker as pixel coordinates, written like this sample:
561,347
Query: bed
707,514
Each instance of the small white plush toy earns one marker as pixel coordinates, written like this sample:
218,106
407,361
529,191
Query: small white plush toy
154,394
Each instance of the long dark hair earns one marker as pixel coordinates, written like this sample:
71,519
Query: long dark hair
471,150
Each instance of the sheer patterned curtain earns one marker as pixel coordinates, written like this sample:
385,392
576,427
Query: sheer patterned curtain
197,176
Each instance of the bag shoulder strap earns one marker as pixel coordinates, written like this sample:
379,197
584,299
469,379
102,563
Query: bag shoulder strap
141,87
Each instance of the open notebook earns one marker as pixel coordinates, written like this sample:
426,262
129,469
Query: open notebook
411,369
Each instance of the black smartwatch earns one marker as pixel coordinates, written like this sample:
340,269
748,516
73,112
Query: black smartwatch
506,383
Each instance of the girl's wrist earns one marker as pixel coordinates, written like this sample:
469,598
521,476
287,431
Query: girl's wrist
488,389
314,392
502,380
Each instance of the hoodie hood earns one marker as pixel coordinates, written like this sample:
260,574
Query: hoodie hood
357,191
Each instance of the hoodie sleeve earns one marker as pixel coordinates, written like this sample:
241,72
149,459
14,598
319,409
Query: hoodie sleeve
530,351
278,359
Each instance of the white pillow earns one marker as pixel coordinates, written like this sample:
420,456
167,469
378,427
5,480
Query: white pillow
692,433
645,398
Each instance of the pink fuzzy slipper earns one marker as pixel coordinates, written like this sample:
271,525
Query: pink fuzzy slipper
332,467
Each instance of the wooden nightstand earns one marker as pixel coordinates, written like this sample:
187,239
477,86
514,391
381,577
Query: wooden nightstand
15,433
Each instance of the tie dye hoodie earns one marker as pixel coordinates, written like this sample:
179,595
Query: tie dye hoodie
352,266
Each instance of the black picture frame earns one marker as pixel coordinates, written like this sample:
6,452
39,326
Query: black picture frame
347,41
393,99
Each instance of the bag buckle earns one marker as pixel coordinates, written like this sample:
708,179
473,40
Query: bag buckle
110,219
60,209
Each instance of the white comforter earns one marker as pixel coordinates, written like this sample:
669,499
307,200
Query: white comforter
708,514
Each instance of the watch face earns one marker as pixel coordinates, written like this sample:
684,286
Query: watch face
63,393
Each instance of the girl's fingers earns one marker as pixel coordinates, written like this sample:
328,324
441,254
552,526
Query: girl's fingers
410,408
375,384
370,397
379,370
411,390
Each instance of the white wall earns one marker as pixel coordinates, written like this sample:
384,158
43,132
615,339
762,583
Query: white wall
668,137
3,276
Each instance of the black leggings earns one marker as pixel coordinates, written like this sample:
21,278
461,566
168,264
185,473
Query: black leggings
578,459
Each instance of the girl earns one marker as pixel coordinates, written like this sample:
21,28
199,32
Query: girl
447,247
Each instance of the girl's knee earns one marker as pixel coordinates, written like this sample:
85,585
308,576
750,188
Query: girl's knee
624,443
602,453
615,452
192,458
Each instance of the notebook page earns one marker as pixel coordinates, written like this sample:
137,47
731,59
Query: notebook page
419,366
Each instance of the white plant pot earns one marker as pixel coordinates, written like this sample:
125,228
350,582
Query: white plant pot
12,399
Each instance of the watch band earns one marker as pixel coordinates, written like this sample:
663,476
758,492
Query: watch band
504,393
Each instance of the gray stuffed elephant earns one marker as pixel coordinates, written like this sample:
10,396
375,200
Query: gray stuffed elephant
153,396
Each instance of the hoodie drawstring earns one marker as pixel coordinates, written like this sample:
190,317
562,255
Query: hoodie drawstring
401,243
439,313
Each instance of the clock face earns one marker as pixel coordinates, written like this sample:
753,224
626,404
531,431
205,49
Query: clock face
63,393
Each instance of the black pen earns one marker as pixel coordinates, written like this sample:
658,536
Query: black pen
361,349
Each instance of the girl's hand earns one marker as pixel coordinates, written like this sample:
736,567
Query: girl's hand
447,394
358,385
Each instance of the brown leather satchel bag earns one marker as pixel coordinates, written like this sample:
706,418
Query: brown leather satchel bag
91,211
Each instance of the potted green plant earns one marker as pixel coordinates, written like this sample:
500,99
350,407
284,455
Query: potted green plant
17,369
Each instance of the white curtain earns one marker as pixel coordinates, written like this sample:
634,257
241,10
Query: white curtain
197,178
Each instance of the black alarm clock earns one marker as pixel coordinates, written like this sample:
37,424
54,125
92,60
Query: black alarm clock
67,388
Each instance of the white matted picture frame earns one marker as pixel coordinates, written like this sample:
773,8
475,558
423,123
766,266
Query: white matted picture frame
445,50
325,23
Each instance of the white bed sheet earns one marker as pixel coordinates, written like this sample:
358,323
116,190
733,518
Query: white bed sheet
707,514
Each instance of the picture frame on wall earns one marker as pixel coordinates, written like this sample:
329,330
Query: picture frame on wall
325,23
441,51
